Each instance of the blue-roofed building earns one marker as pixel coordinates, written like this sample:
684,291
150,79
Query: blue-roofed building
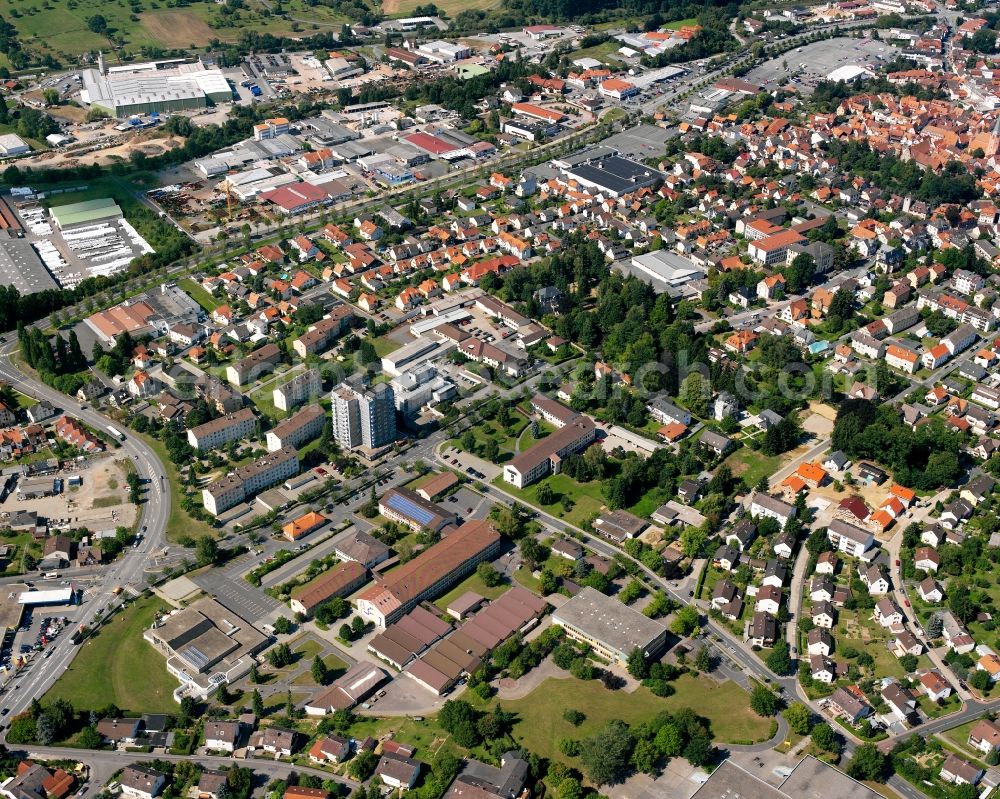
409,508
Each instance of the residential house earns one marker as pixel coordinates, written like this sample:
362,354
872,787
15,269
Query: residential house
985,736
768,600
887,613
930,591
934,685
927,559
822,669
764,505
330,749
827,563
222,736
763,630
822,614
849,539
742,534
851,704
141,782
957,771
875,578
398,771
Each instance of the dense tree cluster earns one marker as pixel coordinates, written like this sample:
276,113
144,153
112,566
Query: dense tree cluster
924,459
953,184
43,725
10,46
469,726
617,749
57,365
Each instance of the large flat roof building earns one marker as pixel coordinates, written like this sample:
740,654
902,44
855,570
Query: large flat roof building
87,212
206,646
612,628
155,86
614,176
667,267
810,779
21,267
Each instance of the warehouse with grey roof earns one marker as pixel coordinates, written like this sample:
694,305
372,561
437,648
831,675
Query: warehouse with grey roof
21,267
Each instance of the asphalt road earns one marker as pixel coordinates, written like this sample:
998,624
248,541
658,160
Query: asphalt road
128,570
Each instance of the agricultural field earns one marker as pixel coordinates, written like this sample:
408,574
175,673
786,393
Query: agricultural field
66,30
403,8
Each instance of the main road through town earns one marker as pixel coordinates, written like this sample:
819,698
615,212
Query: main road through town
35,680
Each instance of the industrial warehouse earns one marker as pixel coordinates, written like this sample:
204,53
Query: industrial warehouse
47,248
156,86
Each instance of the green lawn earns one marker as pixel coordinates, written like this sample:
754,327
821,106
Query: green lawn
308,650
872,640
198,294
449,7
118,667
275,703
525,578
24,401
179,523
544,429
752,465
540,722
384,345
470,583
606,52
681,23
649,502
20,543
334,665
506,437
586,497
263,400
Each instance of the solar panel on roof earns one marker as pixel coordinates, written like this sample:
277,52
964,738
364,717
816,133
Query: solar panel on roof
195,656
411,509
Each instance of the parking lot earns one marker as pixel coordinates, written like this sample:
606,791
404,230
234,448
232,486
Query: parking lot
40,628
807,65
467,504
237,594
473,466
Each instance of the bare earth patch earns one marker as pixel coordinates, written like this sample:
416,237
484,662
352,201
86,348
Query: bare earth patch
177,28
